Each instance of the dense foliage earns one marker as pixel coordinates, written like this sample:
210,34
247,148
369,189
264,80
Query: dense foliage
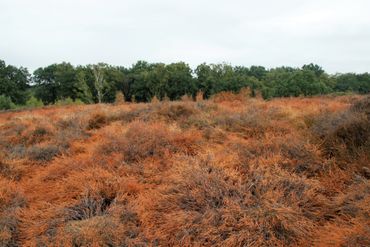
143,80
14,82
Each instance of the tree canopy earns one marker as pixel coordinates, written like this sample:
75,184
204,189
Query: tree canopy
142,81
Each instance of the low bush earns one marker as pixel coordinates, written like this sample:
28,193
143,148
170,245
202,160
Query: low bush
233,173
349,225
88,207
8,171
197,121
11,201
186,98
38,135
345,134
142,141
63,102
145,141
68,131
301,158
6,103
43,153
250,123
202,205
362,106
176,111
97,121
140,112
199,97
11,133
119,98
17,152
34,102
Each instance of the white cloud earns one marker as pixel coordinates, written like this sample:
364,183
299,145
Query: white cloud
332,33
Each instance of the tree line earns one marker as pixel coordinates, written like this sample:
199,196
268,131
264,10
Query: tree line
142,81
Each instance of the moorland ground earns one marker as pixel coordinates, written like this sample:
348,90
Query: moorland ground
229,171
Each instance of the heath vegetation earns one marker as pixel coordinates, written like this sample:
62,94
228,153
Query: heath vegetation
230,170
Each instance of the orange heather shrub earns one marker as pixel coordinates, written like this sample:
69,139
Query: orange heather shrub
230,171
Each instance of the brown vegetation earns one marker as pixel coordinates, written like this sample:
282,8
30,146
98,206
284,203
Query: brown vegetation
230,171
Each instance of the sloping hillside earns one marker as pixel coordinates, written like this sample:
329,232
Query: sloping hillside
231,171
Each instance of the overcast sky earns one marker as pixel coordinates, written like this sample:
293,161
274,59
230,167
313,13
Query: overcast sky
332,33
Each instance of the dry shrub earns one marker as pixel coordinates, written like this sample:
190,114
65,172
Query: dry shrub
116,224
11,201
207,106
11,133
302,158
69,122
250,123
344,130
83,197
234,173
41,140
199,97
44,153
244,155
186,98
102,231
69,130
362,105
346,134
351,226
197,121
120,98
296,155
145,141
213,134
97,121
21,132
142,141
351,234
246,92
126,116
201,118
94,232
38,135
155,100
88,207
243,96
120,226
139,112
9,171
201,205
258,94
100,214
176,111
17,152
355,202
225,96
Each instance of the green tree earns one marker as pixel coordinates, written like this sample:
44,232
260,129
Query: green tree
145,81
314,68
359,83
60,81
81,89
180,81
14,82
47,88
204,79
258,72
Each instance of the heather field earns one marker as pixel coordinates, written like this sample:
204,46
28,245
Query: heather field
228,171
